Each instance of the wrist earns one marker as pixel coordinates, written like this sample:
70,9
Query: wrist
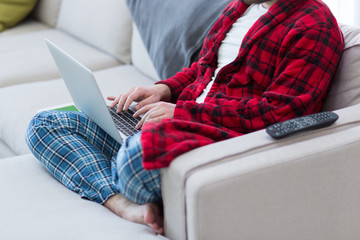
164,91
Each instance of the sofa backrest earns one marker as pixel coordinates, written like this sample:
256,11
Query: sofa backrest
106,25
140,56
47,11
345,89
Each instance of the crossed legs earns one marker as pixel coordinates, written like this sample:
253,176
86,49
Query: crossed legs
88,161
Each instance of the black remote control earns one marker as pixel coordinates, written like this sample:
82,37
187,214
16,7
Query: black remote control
313,121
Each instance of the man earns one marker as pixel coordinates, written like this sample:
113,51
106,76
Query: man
262,62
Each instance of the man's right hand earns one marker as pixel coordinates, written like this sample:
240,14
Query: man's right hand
142,95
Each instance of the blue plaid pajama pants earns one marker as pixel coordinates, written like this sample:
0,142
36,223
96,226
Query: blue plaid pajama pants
88,161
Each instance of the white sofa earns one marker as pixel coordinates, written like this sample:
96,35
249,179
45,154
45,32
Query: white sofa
251,187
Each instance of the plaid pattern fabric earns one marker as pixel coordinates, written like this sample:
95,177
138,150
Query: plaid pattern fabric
283,70
79,154
137,184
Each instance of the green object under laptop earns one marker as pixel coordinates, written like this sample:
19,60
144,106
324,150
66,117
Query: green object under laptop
67,108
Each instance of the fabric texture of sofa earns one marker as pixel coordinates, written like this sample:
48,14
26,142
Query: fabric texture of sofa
252,187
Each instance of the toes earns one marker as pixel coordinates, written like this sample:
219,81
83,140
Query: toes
153,219
149,216
158,229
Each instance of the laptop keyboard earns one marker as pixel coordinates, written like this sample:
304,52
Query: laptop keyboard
125,122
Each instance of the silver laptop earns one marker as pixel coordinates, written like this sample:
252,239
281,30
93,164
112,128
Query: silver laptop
81,84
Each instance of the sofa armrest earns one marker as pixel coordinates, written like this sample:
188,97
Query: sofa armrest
254,187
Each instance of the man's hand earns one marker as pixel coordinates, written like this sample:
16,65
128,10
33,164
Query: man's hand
143,95
155,113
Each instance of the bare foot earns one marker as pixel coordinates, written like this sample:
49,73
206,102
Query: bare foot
147,214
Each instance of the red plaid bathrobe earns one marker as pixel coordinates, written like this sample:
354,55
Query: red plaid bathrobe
283,70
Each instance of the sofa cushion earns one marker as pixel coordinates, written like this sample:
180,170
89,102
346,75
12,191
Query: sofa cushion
345,89
27,58
103,24
174,31
19,103
35,206
140,57
27,26
5,151
12,12
47,11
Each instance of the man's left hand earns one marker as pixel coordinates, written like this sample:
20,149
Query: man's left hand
155,113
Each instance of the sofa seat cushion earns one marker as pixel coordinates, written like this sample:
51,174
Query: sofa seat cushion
18,104
35,206
5,151
27,58
24,27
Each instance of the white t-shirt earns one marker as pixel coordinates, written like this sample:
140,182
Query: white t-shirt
230,46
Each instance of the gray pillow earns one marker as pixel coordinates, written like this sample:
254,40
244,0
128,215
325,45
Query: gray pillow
173,31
